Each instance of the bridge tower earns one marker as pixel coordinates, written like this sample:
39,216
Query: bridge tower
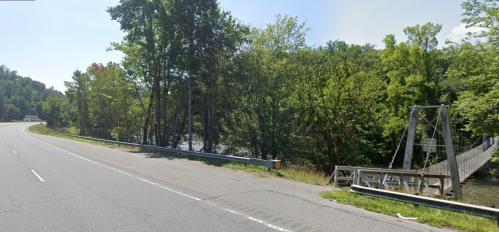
451,157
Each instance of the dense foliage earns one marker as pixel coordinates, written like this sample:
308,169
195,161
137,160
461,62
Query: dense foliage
191,69
20,96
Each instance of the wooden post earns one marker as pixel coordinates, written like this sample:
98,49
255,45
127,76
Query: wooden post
451,157
413,120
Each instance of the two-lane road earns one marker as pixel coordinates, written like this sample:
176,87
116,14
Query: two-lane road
54,184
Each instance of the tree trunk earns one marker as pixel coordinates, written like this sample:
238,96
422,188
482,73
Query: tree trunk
146,124
190,112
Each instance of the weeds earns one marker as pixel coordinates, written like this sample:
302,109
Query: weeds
431,216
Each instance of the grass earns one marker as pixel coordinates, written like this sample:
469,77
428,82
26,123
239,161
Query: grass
258,171
287,173
40,129
431,216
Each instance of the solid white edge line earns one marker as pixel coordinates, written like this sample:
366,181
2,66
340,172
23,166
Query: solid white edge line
36,174
14,152
160,186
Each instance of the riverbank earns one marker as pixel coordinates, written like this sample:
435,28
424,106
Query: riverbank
482,188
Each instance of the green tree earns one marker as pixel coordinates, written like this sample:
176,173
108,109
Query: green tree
78,93
2,107
482,14
266,73
413,70
410,66
479,103
338,115
54,112
23,93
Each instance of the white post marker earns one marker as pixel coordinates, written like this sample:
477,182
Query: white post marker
42,180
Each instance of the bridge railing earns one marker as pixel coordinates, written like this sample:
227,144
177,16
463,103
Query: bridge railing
467,162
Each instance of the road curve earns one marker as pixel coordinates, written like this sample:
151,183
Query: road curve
55,184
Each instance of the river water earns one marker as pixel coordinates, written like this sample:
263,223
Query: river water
482,190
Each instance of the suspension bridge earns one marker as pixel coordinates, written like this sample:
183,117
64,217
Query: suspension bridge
445,176
467,163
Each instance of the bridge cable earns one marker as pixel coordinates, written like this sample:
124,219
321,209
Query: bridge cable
395,155
429,150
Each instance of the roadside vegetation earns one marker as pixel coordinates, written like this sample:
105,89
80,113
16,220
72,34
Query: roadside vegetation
431,216
190,69
305,176
493,165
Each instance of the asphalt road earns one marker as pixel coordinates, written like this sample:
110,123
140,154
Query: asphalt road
55,184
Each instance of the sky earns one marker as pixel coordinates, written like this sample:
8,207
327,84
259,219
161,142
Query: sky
47,40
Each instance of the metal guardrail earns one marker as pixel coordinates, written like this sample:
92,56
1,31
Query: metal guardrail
482,211
271,164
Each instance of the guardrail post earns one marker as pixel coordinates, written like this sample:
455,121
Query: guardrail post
268,164
335,176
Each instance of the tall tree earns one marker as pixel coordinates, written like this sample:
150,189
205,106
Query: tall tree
78,93
2,107
338,114
479,103
266,73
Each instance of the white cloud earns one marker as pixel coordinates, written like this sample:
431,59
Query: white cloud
458,33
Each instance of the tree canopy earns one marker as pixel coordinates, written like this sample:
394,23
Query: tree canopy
20,96
194,74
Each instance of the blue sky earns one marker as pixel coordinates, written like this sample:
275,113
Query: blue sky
48,39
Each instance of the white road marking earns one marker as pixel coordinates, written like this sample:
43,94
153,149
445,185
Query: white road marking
36,174
14,152
116,170
163,187
251,218
258,220
7,142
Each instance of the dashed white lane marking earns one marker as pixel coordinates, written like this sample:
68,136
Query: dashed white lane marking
14,152
36,174
7,142
114,169
163,187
